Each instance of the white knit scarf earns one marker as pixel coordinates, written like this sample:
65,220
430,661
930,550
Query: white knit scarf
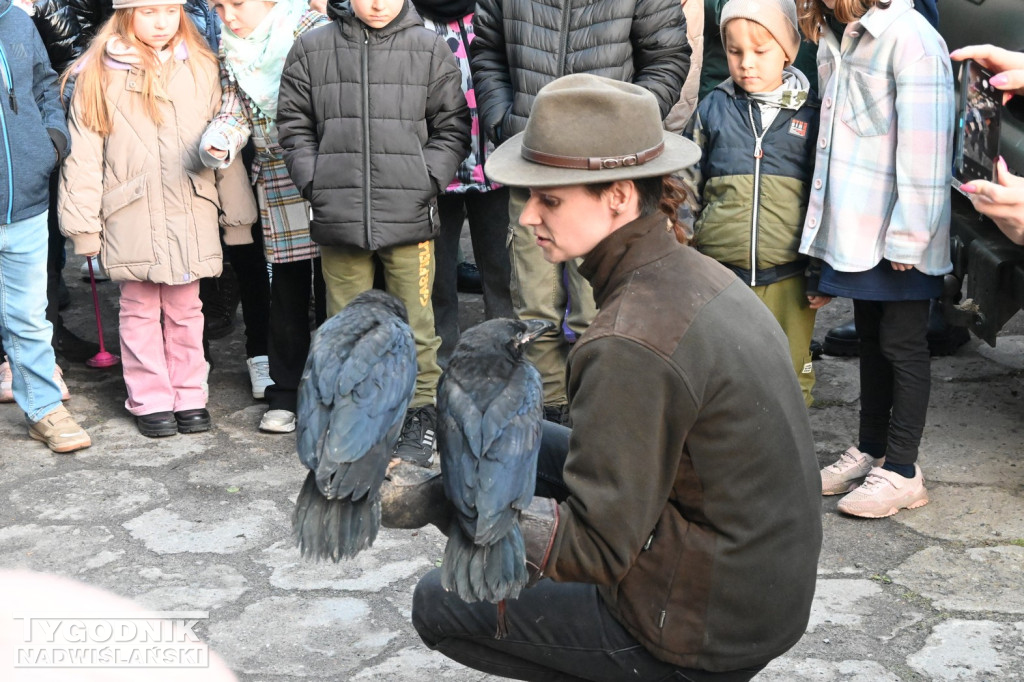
257,60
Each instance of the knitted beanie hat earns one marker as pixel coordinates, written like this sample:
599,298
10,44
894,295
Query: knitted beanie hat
127,4
778,16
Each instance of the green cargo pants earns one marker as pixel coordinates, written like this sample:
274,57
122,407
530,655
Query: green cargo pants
409,277
787,299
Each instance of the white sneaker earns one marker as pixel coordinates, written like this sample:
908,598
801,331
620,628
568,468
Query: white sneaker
97,270
259,375
278,421
6,383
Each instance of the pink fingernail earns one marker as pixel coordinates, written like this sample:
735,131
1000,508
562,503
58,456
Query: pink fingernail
999,79
968,187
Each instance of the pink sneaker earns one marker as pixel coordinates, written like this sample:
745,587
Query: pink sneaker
6,383
884,493
58,376
847,472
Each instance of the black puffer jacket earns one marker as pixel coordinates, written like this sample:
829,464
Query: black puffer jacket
522,45
58,26
373,124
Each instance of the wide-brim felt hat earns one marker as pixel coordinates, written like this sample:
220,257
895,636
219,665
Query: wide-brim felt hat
586,129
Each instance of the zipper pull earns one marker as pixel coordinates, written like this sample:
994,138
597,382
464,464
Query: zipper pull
366,37
13,99
758,152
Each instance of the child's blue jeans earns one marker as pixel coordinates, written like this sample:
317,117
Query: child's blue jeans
24,329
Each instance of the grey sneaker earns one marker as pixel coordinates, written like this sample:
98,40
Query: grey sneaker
848,471
418,441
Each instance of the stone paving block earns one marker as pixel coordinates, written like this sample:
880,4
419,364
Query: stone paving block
124,446
972,650
268,472
819,670
64,550
220,529
299,636
843,601
389,561
970,515
983,579
86,496
1009,351
419,664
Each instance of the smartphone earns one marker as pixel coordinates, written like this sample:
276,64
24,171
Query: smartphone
977,136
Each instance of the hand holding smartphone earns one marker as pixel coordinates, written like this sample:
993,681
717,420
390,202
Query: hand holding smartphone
976,148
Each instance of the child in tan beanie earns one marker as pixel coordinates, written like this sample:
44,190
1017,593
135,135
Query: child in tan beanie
757,131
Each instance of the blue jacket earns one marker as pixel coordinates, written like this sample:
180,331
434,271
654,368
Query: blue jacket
34,137
753,205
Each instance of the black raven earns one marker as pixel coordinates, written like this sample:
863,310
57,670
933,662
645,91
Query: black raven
490,408
357,384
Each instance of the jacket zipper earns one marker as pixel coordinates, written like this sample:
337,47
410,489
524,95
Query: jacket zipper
479,129
563,37
9,78
758,154
366,137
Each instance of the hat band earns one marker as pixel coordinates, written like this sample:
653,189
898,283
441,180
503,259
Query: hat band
593,162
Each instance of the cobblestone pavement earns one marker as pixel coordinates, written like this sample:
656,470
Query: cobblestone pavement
200,522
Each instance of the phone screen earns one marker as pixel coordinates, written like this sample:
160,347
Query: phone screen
977,139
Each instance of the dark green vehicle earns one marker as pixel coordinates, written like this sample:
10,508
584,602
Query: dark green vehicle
992,265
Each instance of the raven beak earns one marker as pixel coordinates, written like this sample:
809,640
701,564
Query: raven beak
535,328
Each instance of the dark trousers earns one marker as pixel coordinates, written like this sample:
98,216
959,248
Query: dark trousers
250,266
488,228
291,286
558,632
895,377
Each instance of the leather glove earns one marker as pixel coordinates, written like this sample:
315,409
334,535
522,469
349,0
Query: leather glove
411,497
538,523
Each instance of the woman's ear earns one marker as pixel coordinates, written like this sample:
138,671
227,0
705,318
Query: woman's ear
621,196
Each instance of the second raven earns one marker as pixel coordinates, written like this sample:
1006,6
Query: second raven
490,408
358,381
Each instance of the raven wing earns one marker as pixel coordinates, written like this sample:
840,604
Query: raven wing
489,458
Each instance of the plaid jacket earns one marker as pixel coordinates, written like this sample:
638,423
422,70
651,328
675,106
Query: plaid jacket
283,211
884,151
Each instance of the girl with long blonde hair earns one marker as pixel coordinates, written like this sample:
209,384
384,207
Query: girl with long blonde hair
135,192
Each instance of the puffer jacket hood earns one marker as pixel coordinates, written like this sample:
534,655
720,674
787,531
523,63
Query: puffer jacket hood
381,117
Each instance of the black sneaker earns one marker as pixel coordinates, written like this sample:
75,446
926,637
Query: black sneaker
558,414
418,440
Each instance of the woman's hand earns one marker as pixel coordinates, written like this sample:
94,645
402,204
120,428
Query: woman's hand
901,266
817,301
1002,201
1007,66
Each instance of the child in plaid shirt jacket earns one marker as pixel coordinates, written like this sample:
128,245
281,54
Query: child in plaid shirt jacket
253,48
878,217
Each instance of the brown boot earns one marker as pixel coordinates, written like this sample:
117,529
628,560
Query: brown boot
411,497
